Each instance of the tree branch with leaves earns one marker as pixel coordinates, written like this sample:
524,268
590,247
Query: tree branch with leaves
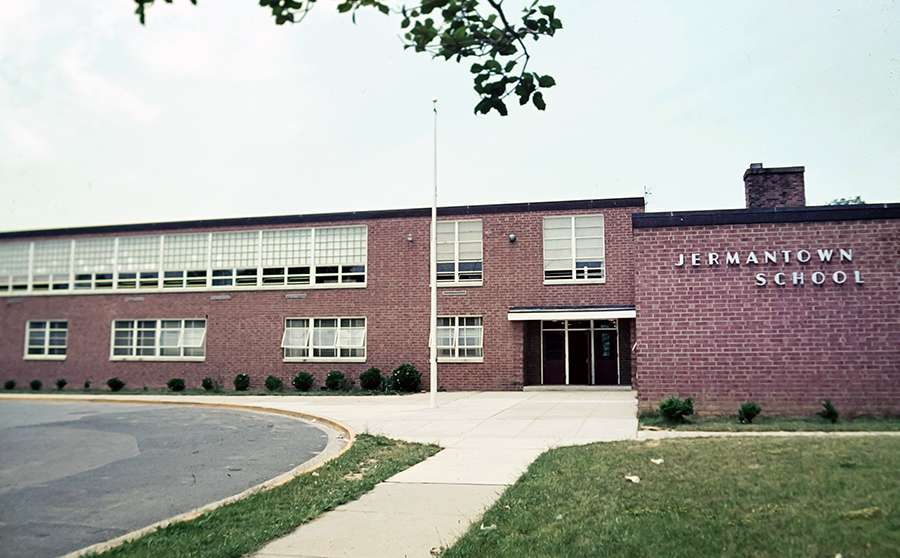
456,30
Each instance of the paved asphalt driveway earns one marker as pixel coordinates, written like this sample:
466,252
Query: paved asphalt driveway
77,473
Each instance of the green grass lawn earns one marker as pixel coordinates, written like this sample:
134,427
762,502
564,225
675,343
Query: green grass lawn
764,423
238,528
753,497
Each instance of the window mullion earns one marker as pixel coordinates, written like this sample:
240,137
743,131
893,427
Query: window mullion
574,257
456,252
30,278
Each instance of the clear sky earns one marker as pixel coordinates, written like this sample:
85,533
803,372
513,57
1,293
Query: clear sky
214,111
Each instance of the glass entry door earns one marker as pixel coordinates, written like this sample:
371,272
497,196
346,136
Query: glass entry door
579,352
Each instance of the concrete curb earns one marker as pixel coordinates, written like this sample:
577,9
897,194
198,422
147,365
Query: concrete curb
340,439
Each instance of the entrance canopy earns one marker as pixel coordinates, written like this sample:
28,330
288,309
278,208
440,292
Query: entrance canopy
525,314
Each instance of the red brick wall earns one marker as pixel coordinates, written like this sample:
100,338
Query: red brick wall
244,333
711,333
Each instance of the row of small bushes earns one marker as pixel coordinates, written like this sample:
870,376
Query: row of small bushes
114,384
404,378
675,410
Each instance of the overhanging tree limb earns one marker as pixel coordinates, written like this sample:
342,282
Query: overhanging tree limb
462,31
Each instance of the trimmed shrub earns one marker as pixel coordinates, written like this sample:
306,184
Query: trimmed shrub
674,409
207,383
335,380
748,412
114,384
36,384
828,412
61,383
371,379
405,378
87,384
241,382
9,384
303,381
175,384
274,383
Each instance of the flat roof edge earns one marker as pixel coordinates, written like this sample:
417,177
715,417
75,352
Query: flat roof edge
766,215
301,219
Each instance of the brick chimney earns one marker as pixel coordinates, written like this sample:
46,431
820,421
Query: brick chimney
776,187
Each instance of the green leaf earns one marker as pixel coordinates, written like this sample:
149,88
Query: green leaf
476,68
546,81
538,101
509,66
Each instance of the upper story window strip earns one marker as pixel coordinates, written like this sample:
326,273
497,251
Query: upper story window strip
286,258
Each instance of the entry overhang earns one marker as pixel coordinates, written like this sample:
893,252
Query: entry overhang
570,313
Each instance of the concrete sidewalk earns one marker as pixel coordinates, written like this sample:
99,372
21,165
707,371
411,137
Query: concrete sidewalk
490,438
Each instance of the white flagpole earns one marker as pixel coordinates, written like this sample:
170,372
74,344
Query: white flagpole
433,251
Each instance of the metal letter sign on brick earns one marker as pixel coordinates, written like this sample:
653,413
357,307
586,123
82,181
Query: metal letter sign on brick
775,257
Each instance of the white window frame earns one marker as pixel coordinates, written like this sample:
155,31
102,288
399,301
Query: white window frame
346,339
46,346
456,280
185,339
454,338
576,275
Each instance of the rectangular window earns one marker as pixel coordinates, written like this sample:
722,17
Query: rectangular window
459,251
460,337
14,264
158,339
50,265
46,340
93,263
340,255
185,260
324,338
574,249
235,259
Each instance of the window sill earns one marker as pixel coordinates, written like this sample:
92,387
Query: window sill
575,282
207,289
44,357
444,284
446,360
157,359
328,359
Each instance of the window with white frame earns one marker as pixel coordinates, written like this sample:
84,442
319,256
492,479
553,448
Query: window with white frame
574,248
14,264
324,338
286,257
158,339
340,255
93,263
137,262
50,265
46,340
459,251
185,258
460,337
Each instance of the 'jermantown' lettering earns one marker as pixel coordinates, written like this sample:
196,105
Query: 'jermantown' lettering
776,257
734,258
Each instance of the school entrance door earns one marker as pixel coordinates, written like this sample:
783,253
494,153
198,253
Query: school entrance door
580,352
